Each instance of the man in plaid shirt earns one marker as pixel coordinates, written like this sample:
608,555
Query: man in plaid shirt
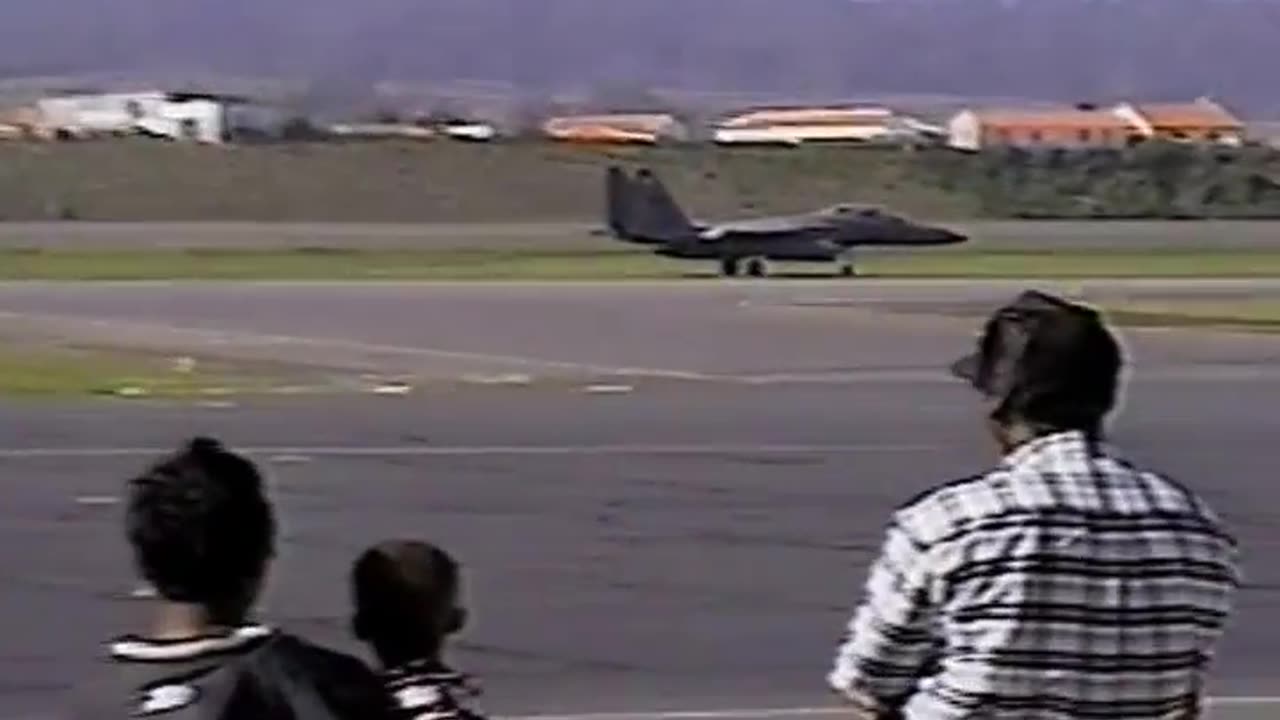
1063,583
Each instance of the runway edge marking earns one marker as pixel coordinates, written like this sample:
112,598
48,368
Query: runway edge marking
755,713
446,450
766,713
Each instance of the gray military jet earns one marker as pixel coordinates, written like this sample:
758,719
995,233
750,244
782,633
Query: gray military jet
641,210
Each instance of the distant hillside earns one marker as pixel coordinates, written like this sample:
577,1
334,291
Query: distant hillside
1064,49
435,182
447,182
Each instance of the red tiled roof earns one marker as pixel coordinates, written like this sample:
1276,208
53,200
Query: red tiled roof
1067,118
1189,116
630,122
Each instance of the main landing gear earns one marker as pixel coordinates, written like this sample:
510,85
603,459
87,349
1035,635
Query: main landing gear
754,267
758,267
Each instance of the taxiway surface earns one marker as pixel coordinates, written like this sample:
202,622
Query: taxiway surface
751,332
588,236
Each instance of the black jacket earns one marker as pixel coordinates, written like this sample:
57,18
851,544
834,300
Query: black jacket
252,674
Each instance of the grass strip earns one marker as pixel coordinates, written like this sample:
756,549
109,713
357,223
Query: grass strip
44,371
402,265
1249,315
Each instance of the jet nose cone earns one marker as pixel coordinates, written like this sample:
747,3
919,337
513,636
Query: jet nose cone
943,236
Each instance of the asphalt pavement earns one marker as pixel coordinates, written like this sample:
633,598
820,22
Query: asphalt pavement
678,548
691,543
697,330
587,235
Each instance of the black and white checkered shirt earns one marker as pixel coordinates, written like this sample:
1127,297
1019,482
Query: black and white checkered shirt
1065,583
427,690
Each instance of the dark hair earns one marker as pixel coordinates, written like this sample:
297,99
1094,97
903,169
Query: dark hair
1062,369
405,597
201,527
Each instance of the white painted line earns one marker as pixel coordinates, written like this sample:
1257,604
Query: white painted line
97,500
758,713
767,713
744,714
609,389
1201,372
876,376
392,389
292,390
1195,372
504,379
143,592
292,452
691,284
1242,701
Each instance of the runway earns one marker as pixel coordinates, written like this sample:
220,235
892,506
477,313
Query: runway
699,331
690,545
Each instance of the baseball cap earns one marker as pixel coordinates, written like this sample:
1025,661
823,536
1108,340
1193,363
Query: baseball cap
1045,358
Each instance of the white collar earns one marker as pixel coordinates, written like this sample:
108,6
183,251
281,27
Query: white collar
136,648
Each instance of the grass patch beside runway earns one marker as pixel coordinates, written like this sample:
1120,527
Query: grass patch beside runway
1092,263
40,371
328,264
1248,315
621,264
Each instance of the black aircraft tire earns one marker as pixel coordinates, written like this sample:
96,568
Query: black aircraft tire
757,268
729,267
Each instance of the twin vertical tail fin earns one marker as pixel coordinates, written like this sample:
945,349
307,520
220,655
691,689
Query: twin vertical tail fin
640,209
617,206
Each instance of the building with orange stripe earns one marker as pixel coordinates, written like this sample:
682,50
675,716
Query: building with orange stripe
796,125
1202,121
628,128
1049,127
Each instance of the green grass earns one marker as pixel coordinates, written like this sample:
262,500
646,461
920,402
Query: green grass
1078,263
42,372
326,265
373,265
1250,315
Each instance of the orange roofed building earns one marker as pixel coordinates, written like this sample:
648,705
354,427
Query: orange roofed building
1203,121
641,128
795,125
1050,127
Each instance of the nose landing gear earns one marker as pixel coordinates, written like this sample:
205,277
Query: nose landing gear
845,266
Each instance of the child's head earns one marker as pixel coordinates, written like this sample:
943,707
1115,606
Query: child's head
202,529
407,600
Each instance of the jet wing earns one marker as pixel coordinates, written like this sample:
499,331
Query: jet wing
767,226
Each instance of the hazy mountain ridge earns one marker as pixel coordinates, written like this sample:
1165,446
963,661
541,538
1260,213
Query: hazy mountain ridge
1069,49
